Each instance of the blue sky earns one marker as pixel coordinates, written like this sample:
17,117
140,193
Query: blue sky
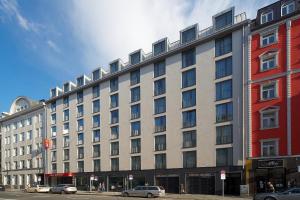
46,43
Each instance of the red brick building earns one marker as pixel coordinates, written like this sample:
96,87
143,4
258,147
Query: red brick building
274,96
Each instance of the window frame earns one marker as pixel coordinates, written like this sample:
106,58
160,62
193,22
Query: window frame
287,6
276,140
275,84
267,111
265,14
266,34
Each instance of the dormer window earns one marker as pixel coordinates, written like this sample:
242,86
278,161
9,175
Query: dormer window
79,81
189,34
160,47
114,67
267,17
66,87
135,58
53,92
268,61
287,8
224,20
96,74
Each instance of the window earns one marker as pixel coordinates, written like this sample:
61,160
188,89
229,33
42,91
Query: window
96,150
22,151
135,58
268,91
66,154
53,106
53,156
66,128
224,134
80,111
224,157
114,131
159,69
268,62
80,153
136,145
269,148
224,90
189,159
53,119
66,102
66,141
53,131
189,139
159,47
22,137
159,87
53,143
80,81
136,163
114,84
66,167
96,91
66,115
96,121
29,135
54,167
96,74
224,67
268,39
96,135
29,149
188,78
97,165
188,58
80,165
96,106
224,20
114,148
135,128
114,116
189,35
80,97
114,164
189,119
114,101
160,124
224,112
269,118
266,17
80,125
287,8
160,143
160,105
223,45
160,161
80,138
135,77
135,94
135,111
189,98
114,67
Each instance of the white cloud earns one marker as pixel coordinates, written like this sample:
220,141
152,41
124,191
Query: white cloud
53,46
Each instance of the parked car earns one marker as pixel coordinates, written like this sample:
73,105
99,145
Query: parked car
2,188
64,188
290,194
145,191
38,188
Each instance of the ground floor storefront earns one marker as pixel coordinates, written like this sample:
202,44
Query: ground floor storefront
282,173
193,181
21,180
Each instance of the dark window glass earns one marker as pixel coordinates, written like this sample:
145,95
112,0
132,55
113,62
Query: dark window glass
224,157
189,98
96,121
160,105
224,112
159,87
135,111
80,97
136,145
115,164
189,159
160,143
114,116
80,165
189,139
223,45
114,67
159,48
135,58
224,20
188,35
224,134
114,131
136,163
114,147
96,150
114,101
159,69
135,94
189,118
135,128
80,138
96,135
223,90
160,124
80,111
135,77
97,166
188,78
80,153
96,91
66,102
96,74
224,67
188,58
96,106
114,84
53,106
160,161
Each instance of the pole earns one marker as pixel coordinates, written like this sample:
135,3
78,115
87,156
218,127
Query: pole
223,188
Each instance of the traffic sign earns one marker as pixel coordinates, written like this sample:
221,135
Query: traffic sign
130,177
223,175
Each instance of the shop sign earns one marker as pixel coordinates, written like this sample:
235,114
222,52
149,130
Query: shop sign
270,163
204,175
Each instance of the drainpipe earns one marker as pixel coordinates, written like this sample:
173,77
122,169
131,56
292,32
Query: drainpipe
243,96
288,85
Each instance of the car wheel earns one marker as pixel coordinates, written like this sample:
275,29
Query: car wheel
35,191
125,194
270,198
149,195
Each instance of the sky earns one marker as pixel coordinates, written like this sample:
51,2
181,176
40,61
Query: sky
44,44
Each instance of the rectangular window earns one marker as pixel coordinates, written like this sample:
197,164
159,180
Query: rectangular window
66,115
224,157
135,94
66,167
136,145
114,132
53,143
159,69
114,84
160,105
268,91
80,165
114,67
159,48
269,148
114,101
66,141
224,67
160,143
80,153
224,90
53,131
96,106
96,121
114,147
66,128
224,112
96,150
136,163
97,165
287,8
268,63
266,17
135,128
96,74
135,77
96,135
160,124
79,97
159,87
189,139
160,161
66,102
114,116
53,156
80,81
114,164
188,58
189,98
268,39
53,106
224,134
189,35
189,118
96,91
135,58
269,119
135,111
223,45
189,78
66,154
53,119
80,138
224,20
80,111
53,168
80,125
189,159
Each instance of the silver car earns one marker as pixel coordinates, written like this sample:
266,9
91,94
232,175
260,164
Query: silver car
64,189
290,194
145,191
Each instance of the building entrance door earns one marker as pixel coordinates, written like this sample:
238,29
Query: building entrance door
171,183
